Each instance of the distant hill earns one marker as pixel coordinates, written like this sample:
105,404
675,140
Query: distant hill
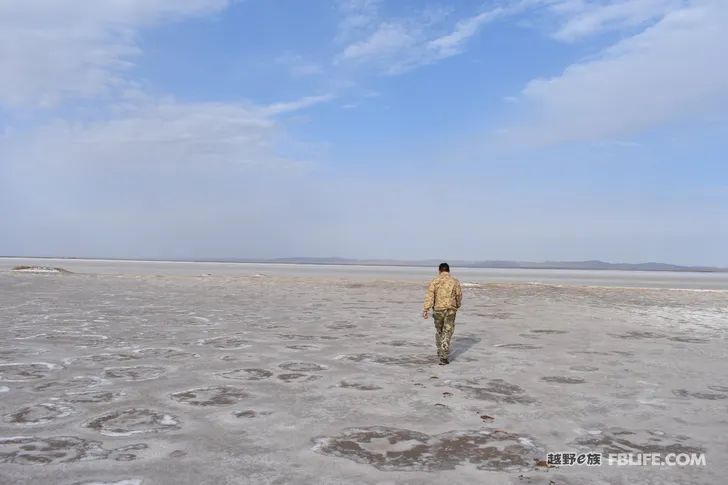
588,265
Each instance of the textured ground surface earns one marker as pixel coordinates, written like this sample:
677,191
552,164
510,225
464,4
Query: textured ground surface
274,379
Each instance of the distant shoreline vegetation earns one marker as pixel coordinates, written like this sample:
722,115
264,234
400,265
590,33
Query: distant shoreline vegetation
554,265
23,268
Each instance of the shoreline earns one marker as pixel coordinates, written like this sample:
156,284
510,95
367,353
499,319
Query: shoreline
526,266
657,280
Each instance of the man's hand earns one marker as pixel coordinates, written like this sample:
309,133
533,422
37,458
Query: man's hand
425,314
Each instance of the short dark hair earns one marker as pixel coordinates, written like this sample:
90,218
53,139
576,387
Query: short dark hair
444,267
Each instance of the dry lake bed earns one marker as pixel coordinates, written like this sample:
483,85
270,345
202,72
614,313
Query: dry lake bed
135,373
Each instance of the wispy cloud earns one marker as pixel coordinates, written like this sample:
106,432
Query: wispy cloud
299,104
166,132
673,69
454,42
64,49
299,66
357,15
584,18
397,45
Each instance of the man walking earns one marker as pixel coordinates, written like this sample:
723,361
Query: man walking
444,296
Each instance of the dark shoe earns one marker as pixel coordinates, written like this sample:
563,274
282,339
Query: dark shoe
444,361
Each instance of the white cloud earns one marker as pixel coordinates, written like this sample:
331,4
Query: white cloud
452,43
51,50
583,19
298,65
299,104
395,46
166,132
357,15
388,39
673,69
158,177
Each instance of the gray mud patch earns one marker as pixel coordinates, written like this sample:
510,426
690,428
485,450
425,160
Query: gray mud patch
690,340
73,384
302,366
359,386
398,343
710,396
247,374
226,342
211,396
40,413
408,359
303,347
30,450
296,377
518,346
497,390
341,326
251,413
77,339
496,315
584,368
618,440
134,373
717,388
563,379
91,397
17,372
307,338
133,421
125,481
105,357
165,354
396,449
637,335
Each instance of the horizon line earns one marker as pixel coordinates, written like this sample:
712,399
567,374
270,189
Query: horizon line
393,262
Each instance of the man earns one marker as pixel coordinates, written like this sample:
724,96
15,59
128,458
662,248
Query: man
444,296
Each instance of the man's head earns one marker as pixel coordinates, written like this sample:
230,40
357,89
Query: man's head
444,268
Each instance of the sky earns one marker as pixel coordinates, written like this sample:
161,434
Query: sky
527,130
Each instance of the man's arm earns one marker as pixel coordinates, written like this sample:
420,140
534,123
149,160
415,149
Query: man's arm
429,299
458,295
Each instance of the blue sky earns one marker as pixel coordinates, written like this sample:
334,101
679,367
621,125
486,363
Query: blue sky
524,129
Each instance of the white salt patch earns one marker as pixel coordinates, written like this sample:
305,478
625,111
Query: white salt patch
383,445
168,420
526,442
4,388
123,433
31,336
652,402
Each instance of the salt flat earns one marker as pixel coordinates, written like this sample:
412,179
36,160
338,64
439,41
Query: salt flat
266,375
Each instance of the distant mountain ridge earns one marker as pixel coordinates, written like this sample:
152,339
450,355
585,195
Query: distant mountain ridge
593,264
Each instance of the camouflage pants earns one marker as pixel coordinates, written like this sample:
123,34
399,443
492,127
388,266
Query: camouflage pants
444,327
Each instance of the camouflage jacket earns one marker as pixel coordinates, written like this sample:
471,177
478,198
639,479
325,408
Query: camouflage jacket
443,293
